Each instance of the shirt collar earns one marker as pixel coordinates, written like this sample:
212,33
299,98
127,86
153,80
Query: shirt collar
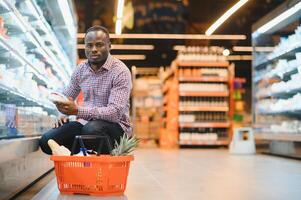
107,65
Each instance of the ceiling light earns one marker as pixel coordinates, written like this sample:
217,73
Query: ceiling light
226,52
120,6
118,24
239,57
243,48
286,14
132,47
125,47
179,47
250,49
173,36
225,16
130,57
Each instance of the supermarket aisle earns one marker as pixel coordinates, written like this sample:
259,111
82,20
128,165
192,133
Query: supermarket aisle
202,174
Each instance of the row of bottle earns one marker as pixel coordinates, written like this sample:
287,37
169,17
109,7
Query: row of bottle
203,117
203,72
203,87
203,101
194,137
202,134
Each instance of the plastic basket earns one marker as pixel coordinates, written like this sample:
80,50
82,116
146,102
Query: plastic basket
94,175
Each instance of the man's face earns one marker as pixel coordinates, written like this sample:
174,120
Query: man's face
97,46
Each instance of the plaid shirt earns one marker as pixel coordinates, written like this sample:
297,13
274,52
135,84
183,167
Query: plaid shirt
106,92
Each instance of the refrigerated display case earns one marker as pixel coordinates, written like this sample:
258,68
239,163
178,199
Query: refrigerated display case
38,52
276,40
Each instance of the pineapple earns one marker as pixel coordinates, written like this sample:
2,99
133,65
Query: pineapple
126,146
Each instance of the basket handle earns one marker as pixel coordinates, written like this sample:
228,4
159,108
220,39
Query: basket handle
79,140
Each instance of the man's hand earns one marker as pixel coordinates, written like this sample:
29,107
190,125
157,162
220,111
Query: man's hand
60,121
68,107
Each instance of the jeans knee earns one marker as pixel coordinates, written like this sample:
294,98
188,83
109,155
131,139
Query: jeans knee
94,127
43,142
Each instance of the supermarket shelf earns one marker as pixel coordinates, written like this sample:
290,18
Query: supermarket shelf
290,53
205,109
295,112
287,93
205,125
278,136
203,79
213,142
204,94
38,41
13,96
22,59
202,64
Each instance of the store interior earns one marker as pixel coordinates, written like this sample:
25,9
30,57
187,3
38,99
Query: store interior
215,99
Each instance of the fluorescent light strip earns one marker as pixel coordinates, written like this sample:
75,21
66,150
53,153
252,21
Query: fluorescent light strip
132,47
238,57
125,47
174,36
130,57
179,47
120,9
118,27
225,16
250,49
242,48
118,24
286,14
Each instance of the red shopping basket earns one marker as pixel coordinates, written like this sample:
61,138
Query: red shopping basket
93,175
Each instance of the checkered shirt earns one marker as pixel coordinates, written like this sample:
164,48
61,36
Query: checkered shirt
106,92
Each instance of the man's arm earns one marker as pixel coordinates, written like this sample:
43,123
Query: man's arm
118,100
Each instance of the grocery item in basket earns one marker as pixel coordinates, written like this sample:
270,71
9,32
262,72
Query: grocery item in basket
57,149
83,152
58,97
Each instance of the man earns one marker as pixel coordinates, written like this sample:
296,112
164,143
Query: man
106,84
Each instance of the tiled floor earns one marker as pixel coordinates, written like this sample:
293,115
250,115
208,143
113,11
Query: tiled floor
202,174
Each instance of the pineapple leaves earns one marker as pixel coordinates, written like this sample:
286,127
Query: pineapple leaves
126,146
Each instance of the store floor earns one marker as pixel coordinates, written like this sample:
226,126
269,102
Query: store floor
202,174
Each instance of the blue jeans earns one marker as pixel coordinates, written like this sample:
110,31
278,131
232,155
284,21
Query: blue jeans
65,134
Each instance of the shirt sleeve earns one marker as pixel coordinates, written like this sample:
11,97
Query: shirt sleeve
117,103
73,88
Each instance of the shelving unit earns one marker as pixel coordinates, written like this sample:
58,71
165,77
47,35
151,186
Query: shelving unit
276,82
197,103
147,105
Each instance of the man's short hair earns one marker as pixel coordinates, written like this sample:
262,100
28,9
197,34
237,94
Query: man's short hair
99,28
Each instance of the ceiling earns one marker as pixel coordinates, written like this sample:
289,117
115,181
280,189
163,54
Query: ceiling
174,16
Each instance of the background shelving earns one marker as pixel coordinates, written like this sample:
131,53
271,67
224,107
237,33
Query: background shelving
146,105
197,103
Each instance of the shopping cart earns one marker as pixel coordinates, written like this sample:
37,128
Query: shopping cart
94,175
